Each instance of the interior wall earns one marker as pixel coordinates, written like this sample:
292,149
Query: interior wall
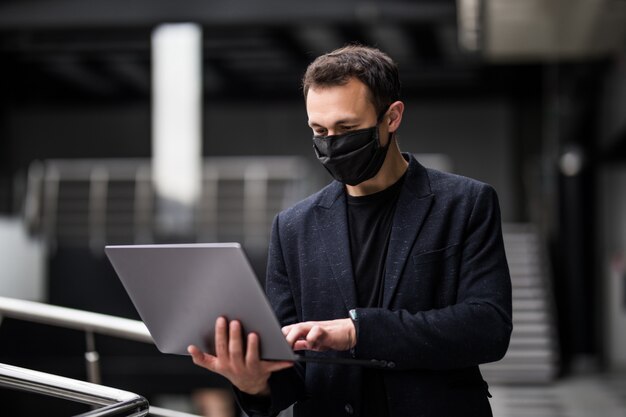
613,259
611,237
5,171
613,114
64,131
476,134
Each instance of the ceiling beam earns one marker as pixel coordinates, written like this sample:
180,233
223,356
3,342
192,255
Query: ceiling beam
41,14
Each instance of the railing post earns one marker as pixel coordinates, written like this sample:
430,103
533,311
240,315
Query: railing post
92,359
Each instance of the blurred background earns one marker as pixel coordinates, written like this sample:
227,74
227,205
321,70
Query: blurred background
141,121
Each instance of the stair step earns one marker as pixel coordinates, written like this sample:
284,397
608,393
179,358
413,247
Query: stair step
533,355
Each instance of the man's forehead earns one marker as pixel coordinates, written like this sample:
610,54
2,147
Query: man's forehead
342,103
353,86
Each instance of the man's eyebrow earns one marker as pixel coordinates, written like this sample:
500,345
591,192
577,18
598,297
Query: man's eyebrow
347,120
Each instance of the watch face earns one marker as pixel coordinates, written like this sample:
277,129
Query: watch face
353,314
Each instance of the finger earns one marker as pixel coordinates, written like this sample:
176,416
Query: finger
253,357
293,335
286,329
193,350
301,345
235,343
221,338
200,358
298,331
252,350
315,338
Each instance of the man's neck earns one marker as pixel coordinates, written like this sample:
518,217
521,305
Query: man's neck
393,168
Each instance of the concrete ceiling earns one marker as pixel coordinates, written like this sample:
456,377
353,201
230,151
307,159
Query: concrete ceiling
54,49
533,30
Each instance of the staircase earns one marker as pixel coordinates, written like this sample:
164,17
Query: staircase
533,353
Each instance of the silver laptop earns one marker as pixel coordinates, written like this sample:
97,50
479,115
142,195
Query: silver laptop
180,290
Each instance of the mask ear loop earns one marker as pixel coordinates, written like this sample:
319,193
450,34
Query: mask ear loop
392,135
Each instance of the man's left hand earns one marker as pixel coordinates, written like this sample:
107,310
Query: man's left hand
337,334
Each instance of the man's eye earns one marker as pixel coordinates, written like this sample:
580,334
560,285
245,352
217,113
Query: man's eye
321,132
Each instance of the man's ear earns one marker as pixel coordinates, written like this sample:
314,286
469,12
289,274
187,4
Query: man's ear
396,109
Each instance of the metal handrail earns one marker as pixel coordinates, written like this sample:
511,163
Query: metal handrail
90,323
75,319
112,401
86,321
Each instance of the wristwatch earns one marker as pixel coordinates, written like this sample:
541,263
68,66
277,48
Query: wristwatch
355,318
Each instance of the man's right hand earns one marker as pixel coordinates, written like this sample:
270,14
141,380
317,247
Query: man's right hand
247,372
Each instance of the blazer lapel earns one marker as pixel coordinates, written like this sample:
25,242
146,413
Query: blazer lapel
412,209
332,225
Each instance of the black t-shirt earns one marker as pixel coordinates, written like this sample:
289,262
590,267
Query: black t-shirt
370,220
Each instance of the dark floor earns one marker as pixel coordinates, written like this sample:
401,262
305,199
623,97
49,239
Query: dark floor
591,395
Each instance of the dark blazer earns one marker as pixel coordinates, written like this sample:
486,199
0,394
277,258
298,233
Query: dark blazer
446,304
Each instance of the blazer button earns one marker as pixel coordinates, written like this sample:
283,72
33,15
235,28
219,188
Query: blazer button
348,409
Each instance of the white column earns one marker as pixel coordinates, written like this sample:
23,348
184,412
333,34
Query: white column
177,124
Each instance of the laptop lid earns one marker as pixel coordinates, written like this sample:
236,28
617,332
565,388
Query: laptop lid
179,291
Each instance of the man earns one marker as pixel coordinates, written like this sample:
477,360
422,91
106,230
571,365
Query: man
391,262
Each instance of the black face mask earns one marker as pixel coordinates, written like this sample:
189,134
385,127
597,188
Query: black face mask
353,157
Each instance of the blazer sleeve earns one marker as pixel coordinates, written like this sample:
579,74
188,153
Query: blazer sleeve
474,330
286,386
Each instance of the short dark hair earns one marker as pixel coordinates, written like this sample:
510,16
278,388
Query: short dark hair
369,65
